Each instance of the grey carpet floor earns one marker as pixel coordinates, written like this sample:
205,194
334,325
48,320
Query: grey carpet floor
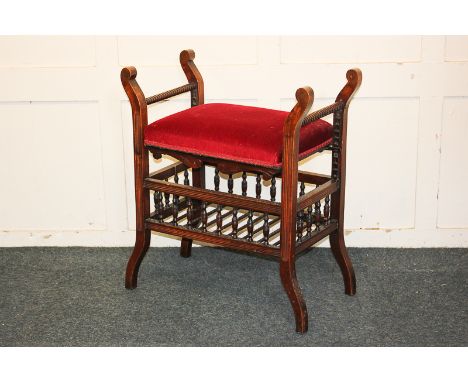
76,297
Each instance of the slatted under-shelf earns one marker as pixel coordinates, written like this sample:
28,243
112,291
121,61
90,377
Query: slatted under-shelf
237,221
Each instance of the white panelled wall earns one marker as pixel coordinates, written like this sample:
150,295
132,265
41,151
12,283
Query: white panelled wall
66,165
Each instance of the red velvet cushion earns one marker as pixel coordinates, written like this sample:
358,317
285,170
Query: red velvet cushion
239,133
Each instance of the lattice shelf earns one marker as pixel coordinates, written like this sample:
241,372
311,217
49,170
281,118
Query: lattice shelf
183,210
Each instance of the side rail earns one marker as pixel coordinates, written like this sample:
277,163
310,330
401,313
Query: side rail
195,82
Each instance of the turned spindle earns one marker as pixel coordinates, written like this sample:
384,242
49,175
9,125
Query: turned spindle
216,179
235,223
189,212
250,226
175,209
219,219
176,178
317,215
244,184
230,184
204,216
266,228
258,187
309,220
302,189
326,208
186,178
158,205
300,224
273,189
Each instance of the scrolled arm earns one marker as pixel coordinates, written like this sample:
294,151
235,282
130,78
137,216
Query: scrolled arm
354,77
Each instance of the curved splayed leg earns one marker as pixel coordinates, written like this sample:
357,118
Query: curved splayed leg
340,252
142,243
291,286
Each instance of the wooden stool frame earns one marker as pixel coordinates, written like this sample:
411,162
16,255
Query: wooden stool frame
301,219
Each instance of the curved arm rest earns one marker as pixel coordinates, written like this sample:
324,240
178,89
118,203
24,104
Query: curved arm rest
354,77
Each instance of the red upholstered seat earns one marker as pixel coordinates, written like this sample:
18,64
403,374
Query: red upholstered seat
240,133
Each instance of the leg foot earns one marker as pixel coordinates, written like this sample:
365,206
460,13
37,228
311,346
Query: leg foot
291,286
186,247
142,243
340,252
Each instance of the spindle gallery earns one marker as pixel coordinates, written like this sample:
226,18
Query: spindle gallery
246,146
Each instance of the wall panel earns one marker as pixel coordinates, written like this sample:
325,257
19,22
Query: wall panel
453,181
47,51
362,49
51,163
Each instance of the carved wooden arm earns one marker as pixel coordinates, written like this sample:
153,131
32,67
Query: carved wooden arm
354,77
194,85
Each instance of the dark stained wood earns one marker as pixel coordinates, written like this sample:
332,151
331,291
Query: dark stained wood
250,225
266,228
318,215
309,220
300,225
258,187
170,170
235,223
302,189
319,193
189,212
213,238
322,112
337,244
230,184
326,208
186,247
317,236
273,189
141,171
175,209
304,97
170,93
296,213
219,219
224,165
312,177
193,76
216,179
217,197
244,184
204,216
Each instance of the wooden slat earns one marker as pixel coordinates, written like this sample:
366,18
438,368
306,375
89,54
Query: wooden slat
225,199
315,195
168,171
167,211
316,236
312,177
213,238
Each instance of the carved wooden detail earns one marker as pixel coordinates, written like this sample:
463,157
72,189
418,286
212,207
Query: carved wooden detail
279,229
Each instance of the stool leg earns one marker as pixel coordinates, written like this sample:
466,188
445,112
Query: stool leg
340,252
142,212
291,286
143,235
142,242
291,129
141,170
186,247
